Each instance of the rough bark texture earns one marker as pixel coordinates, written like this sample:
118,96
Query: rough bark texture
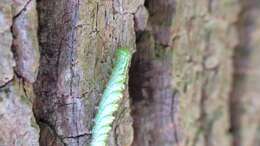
194,79
211,59
151,86
205,36
244,97
77,43
213,78
18,70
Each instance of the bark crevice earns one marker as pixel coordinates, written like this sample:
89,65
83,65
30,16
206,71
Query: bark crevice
58,83
241,64
155,100
22,10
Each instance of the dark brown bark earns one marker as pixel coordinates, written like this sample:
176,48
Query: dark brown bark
155,100
59,103
77,40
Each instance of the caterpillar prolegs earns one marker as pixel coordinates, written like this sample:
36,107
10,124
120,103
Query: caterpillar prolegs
110,99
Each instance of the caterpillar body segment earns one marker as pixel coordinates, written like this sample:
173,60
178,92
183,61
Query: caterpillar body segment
111,97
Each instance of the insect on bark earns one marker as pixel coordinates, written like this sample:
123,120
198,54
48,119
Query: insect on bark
112,94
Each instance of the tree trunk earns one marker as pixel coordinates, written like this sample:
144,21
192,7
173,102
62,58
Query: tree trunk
193,81
78,40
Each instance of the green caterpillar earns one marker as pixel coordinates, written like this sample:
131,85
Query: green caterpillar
110,100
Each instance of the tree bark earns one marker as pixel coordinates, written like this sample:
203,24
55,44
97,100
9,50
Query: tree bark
77,41
193,80
18,62
211,90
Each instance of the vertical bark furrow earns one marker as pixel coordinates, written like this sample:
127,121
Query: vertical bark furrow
155,106
18,69
244,96
26,50
59,102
